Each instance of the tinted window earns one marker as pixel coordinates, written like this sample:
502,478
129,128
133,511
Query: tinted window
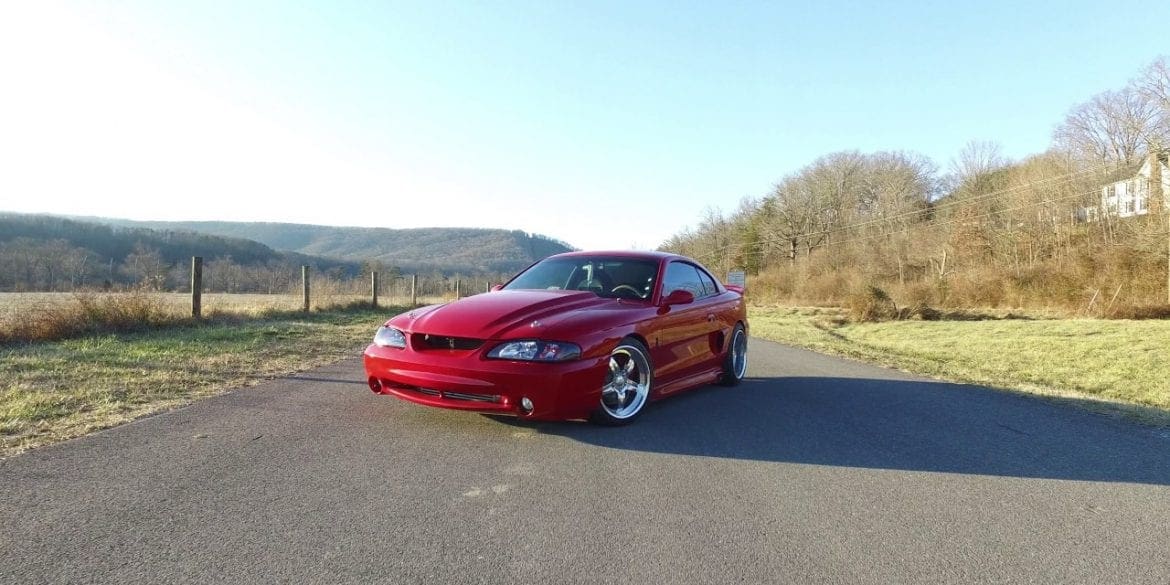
708,282
682,276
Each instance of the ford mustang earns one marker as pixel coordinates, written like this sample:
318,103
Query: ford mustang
594,335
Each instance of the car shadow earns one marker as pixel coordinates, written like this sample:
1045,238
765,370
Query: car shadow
889,424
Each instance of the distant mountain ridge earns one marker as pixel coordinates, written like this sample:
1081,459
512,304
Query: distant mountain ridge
52,253
445,249
109,240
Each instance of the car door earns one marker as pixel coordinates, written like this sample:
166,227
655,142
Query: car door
682,344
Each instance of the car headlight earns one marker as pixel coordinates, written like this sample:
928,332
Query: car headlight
390,337
532,350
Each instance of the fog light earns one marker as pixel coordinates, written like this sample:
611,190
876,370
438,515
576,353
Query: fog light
526,405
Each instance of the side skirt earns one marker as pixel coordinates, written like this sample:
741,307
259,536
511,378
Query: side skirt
692,381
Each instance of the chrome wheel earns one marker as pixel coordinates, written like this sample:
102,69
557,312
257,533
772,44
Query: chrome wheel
739,354
627,383
735,360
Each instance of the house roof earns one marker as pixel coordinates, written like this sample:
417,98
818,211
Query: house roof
1130,171
1122,174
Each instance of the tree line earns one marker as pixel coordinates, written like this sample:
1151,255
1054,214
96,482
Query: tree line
983,232
47,253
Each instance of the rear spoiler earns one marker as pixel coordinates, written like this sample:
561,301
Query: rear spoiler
734,288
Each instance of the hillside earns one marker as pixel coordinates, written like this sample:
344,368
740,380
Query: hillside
43,252
447,249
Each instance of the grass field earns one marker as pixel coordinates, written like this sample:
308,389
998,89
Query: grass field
1119,366
53,391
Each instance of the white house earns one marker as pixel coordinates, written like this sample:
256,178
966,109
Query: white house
1135,193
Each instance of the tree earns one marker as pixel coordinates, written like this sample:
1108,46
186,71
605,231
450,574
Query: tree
1114,127
145,266
809,204
1154,85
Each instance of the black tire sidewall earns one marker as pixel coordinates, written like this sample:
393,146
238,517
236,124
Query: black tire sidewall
728,378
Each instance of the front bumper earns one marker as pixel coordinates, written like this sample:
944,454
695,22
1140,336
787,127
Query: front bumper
466,381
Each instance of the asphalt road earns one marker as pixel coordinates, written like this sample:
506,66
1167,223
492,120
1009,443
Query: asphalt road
816,470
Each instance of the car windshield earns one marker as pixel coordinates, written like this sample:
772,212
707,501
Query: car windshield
619,278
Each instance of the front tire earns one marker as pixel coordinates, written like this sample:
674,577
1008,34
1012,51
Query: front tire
735,362
627,384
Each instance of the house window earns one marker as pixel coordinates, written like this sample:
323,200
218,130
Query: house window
1142,204
1129,207
1111,190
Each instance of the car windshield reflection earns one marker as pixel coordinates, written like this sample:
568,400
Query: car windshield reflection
617,278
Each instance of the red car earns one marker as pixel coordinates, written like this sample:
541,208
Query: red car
593,335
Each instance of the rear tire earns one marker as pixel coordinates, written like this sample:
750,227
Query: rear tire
627,385
735,362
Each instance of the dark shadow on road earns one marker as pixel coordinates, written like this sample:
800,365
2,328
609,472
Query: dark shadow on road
890,424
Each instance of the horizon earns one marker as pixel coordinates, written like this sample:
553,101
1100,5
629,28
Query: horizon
614,126
101,219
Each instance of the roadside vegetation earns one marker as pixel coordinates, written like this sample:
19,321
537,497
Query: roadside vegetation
1112,366
34,317
51,391
1040,233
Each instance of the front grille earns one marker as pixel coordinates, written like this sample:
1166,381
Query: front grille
457,395
427,341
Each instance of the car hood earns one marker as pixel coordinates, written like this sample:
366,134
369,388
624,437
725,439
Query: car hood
504,314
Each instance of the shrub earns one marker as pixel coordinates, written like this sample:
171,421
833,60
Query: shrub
89,313
1142,312
870,304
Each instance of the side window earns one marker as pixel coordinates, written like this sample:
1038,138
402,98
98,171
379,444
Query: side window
680,275
708,282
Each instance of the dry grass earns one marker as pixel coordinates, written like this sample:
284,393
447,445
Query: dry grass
52,391
30,317
1115,366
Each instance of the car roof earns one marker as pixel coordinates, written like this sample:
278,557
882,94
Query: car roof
635,254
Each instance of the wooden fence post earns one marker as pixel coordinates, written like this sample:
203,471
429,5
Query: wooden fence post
487,286
413,290
197,287
305,287
374,289
457,289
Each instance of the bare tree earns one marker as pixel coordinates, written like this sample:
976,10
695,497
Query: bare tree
973,170
1154,85
977,158
807,206
146,267
1112,127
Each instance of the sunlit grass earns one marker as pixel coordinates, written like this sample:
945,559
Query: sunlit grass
1107,360
52,391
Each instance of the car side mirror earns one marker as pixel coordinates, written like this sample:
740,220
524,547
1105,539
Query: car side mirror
496,287
678,297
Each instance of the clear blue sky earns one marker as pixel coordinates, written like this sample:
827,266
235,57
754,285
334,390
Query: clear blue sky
608,125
